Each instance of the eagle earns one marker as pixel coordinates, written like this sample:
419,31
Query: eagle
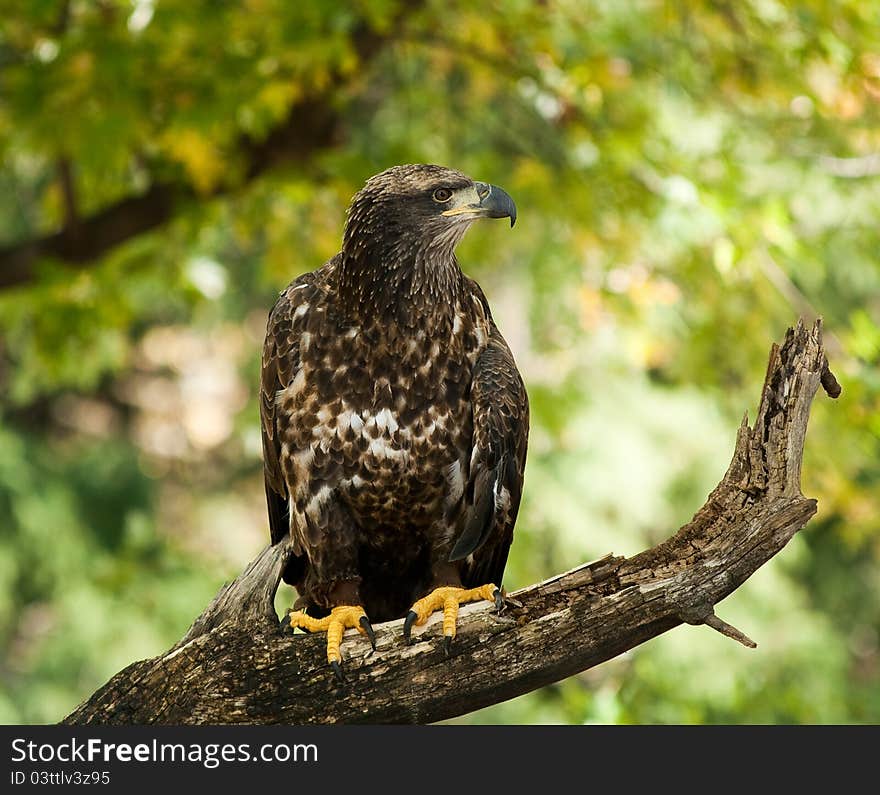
394,419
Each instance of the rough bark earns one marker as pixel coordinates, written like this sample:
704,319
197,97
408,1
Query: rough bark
235,665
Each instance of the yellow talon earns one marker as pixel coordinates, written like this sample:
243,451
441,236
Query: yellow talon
340,619
446,598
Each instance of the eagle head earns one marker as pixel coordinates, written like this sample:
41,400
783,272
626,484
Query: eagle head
398,251
424,207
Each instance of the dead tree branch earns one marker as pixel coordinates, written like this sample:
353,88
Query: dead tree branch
235,665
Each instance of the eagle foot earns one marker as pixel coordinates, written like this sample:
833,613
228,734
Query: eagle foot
448,598
341,618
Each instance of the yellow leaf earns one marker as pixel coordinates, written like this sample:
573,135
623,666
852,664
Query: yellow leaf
277,96
197,154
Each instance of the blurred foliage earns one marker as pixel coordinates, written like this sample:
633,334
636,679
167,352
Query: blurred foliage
691,178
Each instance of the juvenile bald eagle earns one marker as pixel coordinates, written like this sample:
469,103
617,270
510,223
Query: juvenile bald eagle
394,419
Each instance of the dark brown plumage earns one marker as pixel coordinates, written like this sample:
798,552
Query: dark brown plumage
394,419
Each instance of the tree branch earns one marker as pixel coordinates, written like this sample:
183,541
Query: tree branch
313,123
236,666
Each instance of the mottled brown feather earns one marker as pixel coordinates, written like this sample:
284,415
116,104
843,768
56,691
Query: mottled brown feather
394,420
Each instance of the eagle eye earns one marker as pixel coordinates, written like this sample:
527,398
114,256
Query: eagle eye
442,195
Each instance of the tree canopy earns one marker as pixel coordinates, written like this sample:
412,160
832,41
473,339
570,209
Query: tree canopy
691,178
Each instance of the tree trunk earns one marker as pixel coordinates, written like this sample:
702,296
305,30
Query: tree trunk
235,665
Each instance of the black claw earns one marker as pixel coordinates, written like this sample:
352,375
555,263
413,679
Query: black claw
368,628
285,624
447,644
407,626
337,670
499,600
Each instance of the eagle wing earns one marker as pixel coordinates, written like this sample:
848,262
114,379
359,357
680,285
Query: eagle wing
280,364
501,429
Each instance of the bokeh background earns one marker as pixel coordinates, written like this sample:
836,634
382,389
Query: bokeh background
691,178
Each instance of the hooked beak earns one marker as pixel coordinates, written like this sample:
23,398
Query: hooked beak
493,203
